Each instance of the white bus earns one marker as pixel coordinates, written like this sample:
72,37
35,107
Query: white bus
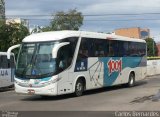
62,62
6,70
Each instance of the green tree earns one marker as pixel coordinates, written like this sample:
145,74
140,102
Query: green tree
2,21
71,20
151,47
45,29
11,34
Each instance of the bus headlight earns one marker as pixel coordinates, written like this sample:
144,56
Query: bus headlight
54,80
23,83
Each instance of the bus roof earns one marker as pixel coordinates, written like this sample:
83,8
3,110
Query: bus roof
58,35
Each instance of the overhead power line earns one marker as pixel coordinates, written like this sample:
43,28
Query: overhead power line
48,17
126,20
109,14
99,20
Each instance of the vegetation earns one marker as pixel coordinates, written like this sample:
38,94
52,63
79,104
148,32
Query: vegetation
153,58
71,20
11,34
151,47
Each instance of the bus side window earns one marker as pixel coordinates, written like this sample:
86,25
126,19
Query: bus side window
9,62
83,50
99,47
141,49
0,61
131,49
126,49
111,49
121,49
4,61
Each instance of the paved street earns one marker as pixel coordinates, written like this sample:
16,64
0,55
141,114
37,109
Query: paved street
116,98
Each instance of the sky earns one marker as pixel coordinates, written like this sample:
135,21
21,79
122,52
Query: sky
99,15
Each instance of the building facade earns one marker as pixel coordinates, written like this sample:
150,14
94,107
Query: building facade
2,10
136,32
24,22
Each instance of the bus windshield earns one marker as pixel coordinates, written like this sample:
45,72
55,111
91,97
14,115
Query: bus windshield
35,60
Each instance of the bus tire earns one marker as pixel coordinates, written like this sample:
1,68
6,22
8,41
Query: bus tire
79,88
131,81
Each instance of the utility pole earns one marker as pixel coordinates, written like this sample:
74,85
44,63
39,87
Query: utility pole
2,10
153,47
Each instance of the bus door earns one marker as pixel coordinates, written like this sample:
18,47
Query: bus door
63,62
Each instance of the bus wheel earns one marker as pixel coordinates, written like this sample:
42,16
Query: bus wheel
131,81
79,88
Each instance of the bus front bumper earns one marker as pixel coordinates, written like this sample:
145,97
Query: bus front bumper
50,90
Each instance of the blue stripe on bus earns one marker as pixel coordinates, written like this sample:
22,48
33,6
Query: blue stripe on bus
45,79
41,79
114,65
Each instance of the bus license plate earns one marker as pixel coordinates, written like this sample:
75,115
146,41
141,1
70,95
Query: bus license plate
31,91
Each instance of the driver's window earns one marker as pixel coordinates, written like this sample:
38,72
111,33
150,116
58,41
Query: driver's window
63,58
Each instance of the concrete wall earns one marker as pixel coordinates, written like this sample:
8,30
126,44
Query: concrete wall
153,67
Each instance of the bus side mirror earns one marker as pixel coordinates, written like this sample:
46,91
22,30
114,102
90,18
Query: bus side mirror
12,48
57,47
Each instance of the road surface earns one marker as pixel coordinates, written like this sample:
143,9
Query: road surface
118,98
